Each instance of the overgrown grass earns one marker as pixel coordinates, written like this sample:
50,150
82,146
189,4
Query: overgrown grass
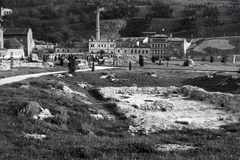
22,71
84,137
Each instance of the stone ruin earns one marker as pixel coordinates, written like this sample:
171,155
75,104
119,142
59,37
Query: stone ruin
151,109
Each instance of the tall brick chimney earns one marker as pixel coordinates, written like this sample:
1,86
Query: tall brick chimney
98,24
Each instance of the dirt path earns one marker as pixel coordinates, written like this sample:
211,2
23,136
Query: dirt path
22,77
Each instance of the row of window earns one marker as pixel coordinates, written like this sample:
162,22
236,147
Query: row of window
159,51
139,51
101,45
176,44
67,50
158,45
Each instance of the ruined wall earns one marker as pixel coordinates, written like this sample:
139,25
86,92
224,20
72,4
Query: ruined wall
219,99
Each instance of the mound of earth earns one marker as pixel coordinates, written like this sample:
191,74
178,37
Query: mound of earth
152,109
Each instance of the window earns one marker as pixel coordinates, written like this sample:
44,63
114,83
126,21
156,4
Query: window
139,51
131,51
67,50
118,51
161,45
125,51
105,45
63,50
135,51
147,51
80,50
152,45
142,51
158,45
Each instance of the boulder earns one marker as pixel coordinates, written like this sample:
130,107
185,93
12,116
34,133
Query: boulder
97,116
35,111
163,105
31,110
35,136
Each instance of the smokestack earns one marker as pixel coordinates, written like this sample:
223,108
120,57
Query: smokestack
98,24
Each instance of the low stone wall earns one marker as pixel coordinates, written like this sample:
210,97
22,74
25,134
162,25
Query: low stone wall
220,99
6,64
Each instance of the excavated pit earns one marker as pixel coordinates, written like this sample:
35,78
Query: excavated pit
152,109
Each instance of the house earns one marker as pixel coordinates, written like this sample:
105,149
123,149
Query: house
79,49
106,47
133,46
12,48
23,35
164,46
42,45
12,43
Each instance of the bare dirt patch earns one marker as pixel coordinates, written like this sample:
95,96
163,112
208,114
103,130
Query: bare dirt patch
144,107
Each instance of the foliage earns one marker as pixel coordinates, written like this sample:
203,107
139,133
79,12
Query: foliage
130,65
211,59
135,27
211,15
141,60
120,11
161,10
153,59
224,58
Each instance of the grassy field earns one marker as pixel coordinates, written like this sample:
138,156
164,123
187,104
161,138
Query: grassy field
215,47
83,137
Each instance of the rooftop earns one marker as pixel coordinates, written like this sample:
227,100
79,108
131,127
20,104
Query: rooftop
16,31
12,43
159,36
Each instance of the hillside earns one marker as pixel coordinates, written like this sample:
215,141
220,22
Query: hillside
82,124
57,21
216,47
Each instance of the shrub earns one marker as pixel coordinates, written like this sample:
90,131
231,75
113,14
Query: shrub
153,59
141,61
61,117
211,59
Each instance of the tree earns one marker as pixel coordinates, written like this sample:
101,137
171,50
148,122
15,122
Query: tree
161,10
211,15
130,65
141,60
83,17
153,59
211,59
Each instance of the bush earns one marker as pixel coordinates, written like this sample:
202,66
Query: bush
153,59
61,117
211,59
141,61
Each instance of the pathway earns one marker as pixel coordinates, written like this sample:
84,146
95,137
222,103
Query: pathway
23,77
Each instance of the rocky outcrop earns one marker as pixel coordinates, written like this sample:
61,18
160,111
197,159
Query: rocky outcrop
35,111
195,93
217,98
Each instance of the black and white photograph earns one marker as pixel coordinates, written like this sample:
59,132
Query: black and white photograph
120,79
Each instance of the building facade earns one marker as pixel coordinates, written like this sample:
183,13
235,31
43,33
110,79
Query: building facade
105,47
1,38
23,35
164,46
